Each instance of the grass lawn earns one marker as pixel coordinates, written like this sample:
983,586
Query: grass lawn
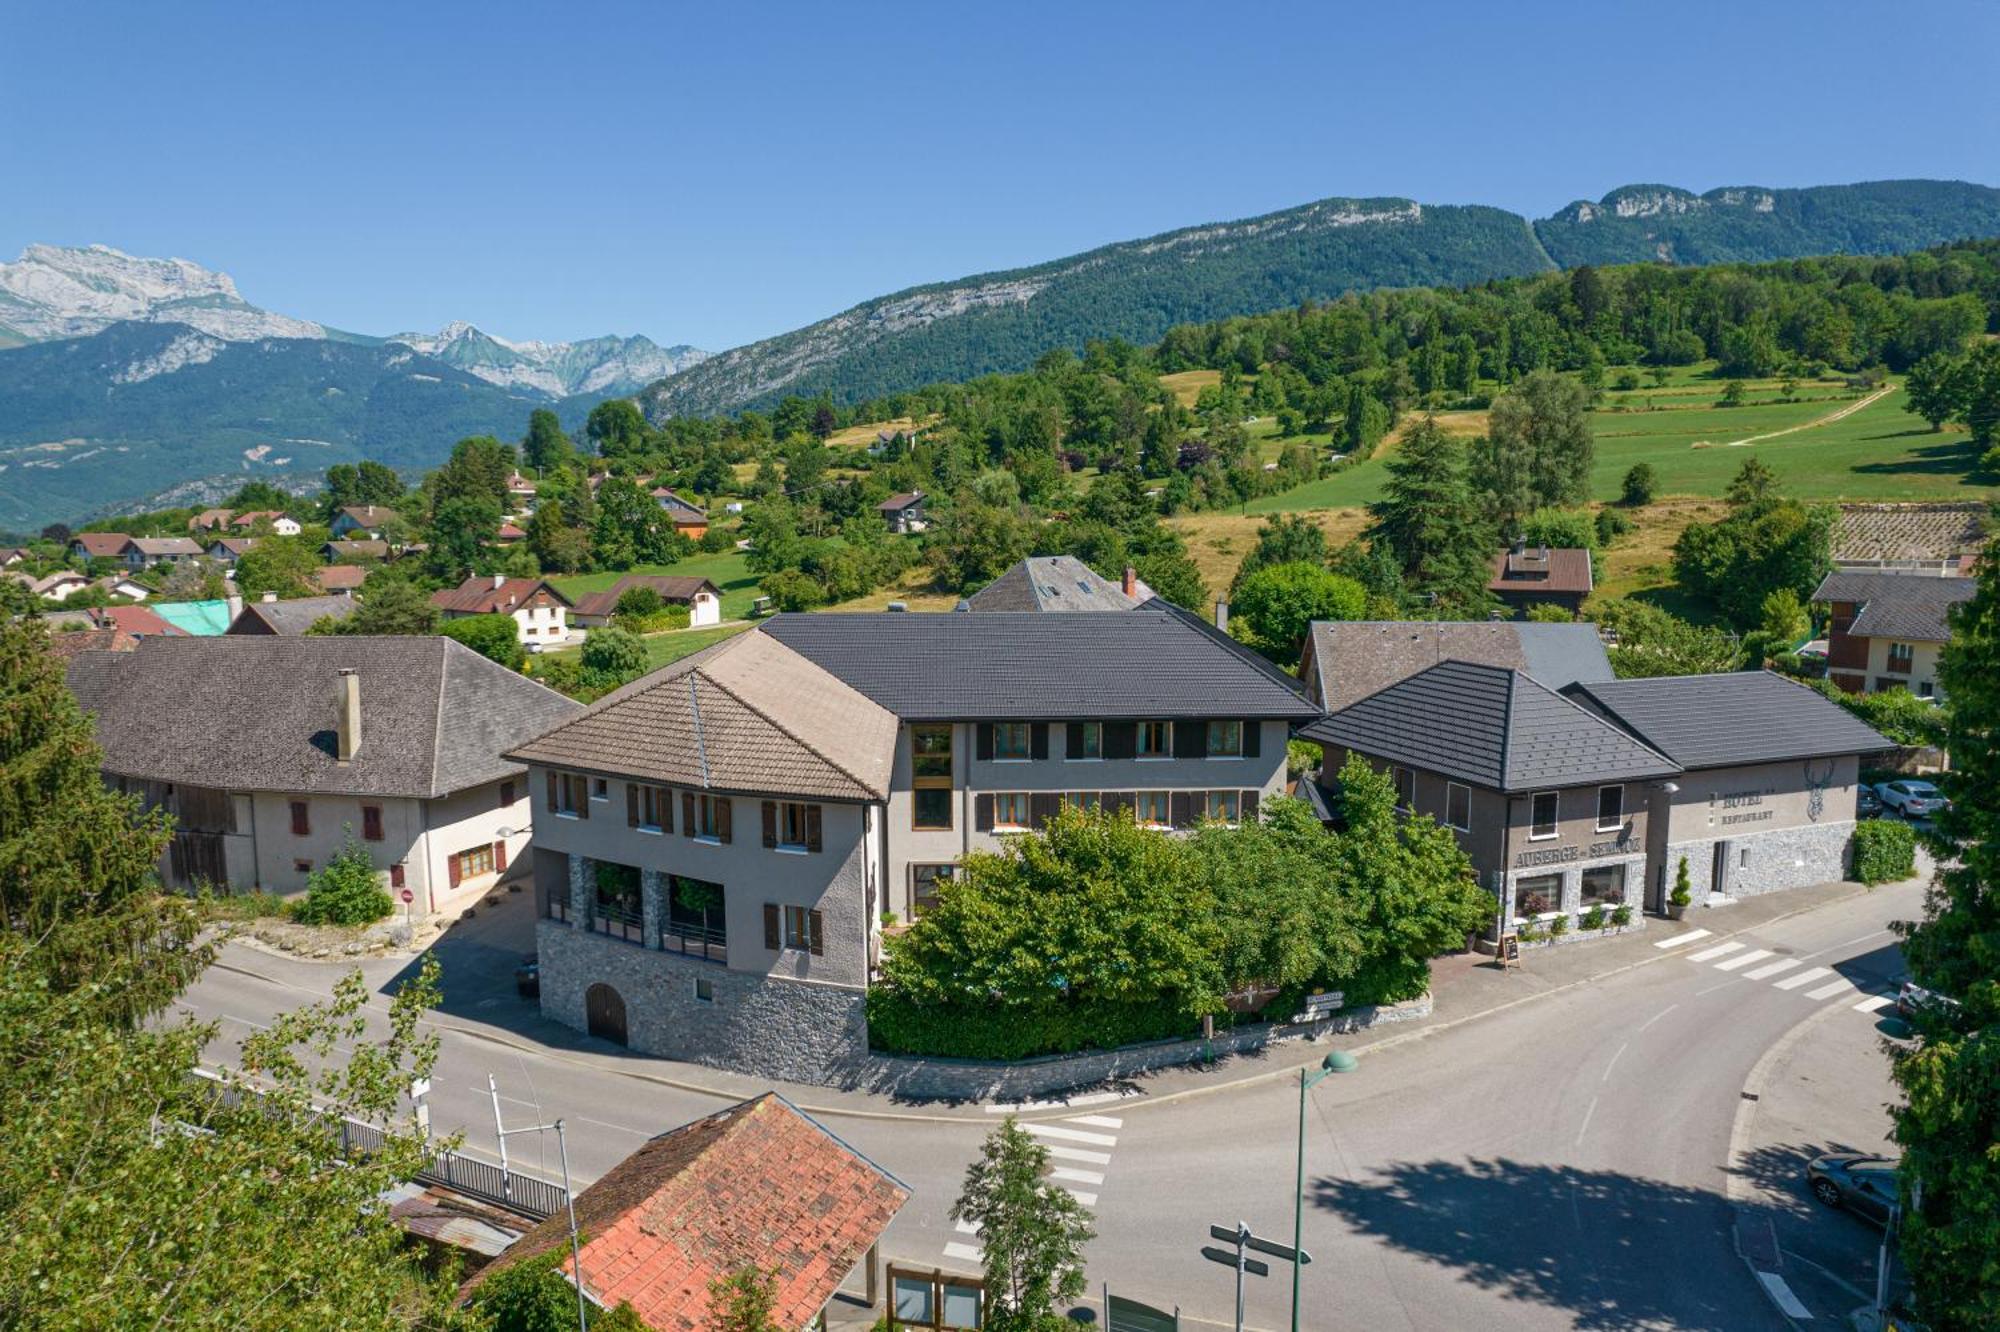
726,569
665,648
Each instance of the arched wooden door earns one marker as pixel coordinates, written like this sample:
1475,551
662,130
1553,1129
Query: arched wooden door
604,1012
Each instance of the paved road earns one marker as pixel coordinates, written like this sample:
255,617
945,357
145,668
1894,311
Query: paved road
1563,1163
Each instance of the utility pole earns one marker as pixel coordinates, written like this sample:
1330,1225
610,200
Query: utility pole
569,1198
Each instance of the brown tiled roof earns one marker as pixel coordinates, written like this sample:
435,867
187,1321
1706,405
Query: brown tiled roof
482,596
358,550
208,519
339,577
255,516
102,545
235,545
65,645
1909,531
759,1183
748,714
137,620
368,515
671,587
1347,660
1559,569
167,545
903,501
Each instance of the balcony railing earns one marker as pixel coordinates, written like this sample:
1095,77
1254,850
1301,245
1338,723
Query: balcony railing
697,941
618,921
555,901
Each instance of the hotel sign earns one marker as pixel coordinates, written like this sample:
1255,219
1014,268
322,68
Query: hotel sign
1563,855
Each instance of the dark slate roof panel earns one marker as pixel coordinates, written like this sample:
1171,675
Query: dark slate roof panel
1490,726
1714,721
1135,664
1912,607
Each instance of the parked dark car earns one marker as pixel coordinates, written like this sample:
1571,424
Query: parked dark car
528,977
1865,1185
1867,805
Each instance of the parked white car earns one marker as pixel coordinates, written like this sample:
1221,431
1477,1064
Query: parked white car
1911,798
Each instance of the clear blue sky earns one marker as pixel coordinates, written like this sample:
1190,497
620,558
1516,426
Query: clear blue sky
716,173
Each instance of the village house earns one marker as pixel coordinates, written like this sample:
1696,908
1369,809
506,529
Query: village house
58,586
1910,538
1058,583
137,621
229,551
209,520
147,552
273,753
540,611
362,551
281,524
689,518
702,598
760,1184
508,535
122,585
719,840
367,521
1887,629
99,545
520,494
1528,576
272,616
340,579
904,513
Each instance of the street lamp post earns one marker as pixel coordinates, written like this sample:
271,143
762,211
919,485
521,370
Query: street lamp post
1337,1062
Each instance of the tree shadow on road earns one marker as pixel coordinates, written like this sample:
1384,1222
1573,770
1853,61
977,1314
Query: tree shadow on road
1615,1250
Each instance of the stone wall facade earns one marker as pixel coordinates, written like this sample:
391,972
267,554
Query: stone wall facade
1765,862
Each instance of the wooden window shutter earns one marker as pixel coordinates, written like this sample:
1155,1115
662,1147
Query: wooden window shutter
770,823
816,933
451,870
631,804
582,796
506,794
1119,802
982,812
1248,806
1180,809
500,857
1043,806
813,831
552,792
1190,739
395,876
1038,740
687,814
722,818
773,940
983,745
1253,739
1121,739
663,807
301,819
371,823
1073,741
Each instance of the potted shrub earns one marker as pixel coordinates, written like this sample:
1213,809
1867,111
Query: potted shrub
1559,926
1593,919
1683,895
1621,916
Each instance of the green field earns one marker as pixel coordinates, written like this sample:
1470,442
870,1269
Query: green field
1879,452
664,649
726,569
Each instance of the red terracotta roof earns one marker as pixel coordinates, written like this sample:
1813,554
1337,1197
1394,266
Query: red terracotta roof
485,596
671,587
760,1182
1539,569
339,577
135,620
102,545
509,532
68,643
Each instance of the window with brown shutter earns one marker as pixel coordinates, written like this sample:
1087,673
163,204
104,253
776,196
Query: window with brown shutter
816,933
1121,739
631,804
301,819
813,829
500,857
1043,806
770,823
371,823
982,812
687,814
1180,807
1038,740
1249,806
451,870
552,793
722,818
506,794
396,876
772,940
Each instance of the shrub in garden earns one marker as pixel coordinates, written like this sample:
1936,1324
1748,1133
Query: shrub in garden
1884,850
347,890
1593,919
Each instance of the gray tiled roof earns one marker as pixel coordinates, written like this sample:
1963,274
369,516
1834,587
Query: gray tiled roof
1713,721
1489,726
1910,606
1134,664
1354,658
1051,583
257,713
294,616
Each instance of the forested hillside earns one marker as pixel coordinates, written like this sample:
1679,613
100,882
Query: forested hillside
1749,224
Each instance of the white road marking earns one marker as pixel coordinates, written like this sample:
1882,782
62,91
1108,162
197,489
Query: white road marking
1584,1128
1771,968
1080,1154
1781,1295
1087,1199
1720,950
1828,991
1075,1176
1057,1131
967,1252
1873,1002
968,1227
1614,1061
1097,1121
1657,1016
1743,959
1070,1103
1680,939
1803,978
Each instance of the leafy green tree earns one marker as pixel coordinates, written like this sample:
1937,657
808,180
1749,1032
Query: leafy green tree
639,603
1650,641
1782,624
1278,604
252,495
1427,521
462,530
1931,389
1173,575
614,654
545,447
1288,923
1548,613
1544,423
1764,543
495,637
477,470
1032,1232
558,547
1641,484
743,1301
616,428
1285,538
1950,1076
533,1295
346,890
1364,422
367,482
388,605
1978,386
1732,394
284,565
971,544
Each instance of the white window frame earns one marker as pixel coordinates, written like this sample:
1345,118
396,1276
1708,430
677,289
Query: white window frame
787,810
1090,728
1166,751
1461,788
1555,822
1235,799
1209,741
600,789
1166,799
1618,822
1027,742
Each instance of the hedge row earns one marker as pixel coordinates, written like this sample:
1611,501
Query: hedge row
1884,850
898,1026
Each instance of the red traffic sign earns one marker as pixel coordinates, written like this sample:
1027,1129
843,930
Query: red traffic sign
408,896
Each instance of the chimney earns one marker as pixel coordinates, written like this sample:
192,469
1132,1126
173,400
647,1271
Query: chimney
235,603
499,581
268,598
1222,614
1131,581
347,729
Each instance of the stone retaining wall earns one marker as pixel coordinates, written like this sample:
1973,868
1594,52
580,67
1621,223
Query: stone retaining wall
1780,859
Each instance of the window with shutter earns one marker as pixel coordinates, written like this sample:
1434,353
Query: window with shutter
722,818
1180,806
772,938
451,871
1249,806
1155,740
814,830
1038,740
1044,806
982,744
371,823
499,857
552,792
687,814
770,823
982,812
396,876
1253,738
631,804
1085,742
816,933
1120,739
301,819
506,794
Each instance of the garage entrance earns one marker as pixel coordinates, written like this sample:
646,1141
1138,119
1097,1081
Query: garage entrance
604,1012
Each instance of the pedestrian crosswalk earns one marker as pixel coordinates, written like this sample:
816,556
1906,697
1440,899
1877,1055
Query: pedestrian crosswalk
1780,973
1079,1150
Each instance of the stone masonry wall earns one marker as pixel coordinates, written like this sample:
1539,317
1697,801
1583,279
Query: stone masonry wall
1783,858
